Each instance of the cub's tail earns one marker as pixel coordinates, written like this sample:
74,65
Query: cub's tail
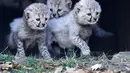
99,32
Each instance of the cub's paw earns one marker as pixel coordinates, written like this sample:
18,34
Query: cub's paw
86,52
47,56
19,60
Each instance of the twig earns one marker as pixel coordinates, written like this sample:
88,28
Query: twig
4,50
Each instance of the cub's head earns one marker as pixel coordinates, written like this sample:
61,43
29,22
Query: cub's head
36,16
87,12
59,8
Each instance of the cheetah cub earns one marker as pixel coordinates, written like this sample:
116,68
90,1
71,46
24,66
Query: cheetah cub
59,8
68,30
30,30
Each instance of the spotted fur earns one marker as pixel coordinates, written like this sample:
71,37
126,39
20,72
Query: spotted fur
59,8
30,30
67,30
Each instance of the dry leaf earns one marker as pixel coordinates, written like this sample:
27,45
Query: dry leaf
96,67
58,69
77,69
69,70
116,71
49,65
6,66
108,71
28,68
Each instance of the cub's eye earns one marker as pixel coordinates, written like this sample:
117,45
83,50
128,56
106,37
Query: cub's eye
46,19
97,13
89,14
59,10
51,9
38,19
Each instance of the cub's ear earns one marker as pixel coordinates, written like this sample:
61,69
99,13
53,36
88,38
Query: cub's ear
77,8
49,2
27,13
69,3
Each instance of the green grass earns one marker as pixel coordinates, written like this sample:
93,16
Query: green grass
38,65
4,57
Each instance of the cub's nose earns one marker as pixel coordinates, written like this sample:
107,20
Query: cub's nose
94,19
54,15
43,25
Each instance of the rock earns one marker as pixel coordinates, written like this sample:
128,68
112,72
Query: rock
121,57
122,61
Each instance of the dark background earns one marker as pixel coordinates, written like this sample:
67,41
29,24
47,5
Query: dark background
115,18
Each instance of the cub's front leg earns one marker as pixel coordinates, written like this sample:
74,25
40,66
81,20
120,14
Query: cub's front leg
43,49
20,55
77,41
